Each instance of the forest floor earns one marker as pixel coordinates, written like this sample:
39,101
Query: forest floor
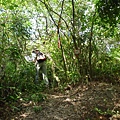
93,101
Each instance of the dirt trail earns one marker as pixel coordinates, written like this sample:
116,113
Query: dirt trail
95,101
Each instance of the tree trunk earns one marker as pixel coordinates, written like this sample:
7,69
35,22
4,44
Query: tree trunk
90,48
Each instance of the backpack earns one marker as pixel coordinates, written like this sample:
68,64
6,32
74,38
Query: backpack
40,57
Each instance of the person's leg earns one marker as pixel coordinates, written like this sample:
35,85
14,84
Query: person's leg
44,73
37,72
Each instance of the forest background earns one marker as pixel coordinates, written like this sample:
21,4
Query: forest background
81,39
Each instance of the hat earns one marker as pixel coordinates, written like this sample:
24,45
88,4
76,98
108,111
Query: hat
35,48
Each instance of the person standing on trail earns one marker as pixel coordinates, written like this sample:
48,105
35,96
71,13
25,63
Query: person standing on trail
39,59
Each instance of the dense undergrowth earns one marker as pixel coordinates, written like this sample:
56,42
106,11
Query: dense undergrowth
18,85
84,48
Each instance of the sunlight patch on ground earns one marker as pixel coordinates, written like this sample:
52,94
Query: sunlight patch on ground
22,116
57,96
26,114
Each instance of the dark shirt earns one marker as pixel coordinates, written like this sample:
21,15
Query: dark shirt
40,57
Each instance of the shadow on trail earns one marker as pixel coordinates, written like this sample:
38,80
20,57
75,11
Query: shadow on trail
96,101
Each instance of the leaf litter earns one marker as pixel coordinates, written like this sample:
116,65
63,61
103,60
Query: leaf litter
93,101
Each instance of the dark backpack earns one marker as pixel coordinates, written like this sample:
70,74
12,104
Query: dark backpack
40,57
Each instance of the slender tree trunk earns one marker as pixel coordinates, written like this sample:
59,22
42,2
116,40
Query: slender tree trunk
74,37
73,25
64,62
90,48
59,40
90,56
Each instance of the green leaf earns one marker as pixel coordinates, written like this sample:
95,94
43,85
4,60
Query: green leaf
117,58
11,7
3,24
15,5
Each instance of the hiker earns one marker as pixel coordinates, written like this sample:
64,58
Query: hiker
39,60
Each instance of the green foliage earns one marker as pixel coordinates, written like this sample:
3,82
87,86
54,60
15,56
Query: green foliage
24,27
20,25
109,11
115,54
18,86
37,109
108,67
37,97
107,112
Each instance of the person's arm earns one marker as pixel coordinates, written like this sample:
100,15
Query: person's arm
34,57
